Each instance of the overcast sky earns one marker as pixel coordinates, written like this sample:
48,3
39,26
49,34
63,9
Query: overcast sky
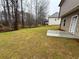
53,6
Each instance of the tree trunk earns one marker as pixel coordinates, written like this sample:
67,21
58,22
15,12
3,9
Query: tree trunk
22,14
8,9
16,16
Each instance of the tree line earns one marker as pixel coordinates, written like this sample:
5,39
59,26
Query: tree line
22,13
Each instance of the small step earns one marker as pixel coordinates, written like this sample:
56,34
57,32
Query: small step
57,33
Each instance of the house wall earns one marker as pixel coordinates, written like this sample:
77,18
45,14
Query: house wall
54,21
68,5
68,21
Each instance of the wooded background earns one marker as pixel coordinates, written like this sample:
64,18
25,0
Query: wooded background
22,13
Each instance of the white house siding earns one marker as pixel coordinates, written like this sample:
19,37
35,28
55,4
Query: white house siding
68,5
54,21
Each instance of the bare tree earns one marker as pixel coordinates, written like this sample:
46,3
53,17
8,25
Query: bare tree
8,10
4,12
37,12
22,13
42,11
40,8
15,13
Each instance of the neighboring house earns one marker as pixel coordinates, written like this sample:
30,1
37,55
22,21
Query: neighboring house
54,19
69,12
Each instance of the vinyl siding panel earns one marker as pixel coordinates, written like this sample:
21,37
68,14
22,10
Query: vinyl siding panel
68,5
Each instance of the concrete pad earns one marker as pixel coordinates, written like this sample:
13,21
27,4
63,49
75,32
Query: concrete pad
57,33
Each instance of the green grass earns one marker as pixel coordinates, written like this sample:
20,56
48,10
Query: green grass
34,44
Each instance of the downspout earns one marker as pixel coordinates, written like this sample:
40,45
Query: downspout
60,17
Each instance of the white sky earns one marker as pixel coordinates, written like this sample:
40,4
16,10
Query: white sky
53,6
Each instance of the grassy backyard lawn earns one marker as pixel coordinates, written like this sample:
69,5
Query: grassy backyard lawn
34,44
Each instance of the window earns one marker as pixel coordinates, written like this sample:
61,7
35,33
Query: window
55,19
64,21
